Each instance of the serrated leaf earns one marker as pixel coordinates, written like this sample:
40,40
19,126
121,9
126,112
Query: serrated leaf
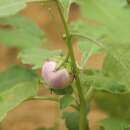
71,120
115,105
108,13
17,84
109,95
117,66
37,56
66,101
101,82
18,31
66,7
114,124
116,41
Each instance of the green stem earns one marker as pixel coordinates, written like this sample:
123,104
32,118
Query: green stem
83,121
63,62
96,42
89,94
45,98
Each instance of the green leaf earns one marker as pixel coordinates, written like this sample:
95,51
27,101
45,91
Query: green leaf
71,120
108,13
68,90
66,7
127,128
85,82
87,49
85,32
117,66
110,96
20,32
115,105
37,56
11,7
86,29
17,84
114,124
101,82
66,101
115,41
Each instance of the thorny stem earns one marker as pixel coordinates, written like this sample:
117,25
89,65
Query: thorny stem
83,121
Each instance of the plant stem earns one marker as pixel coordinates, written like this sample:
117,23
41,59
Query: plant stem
63,62
89,94
99,44
83,120
45,98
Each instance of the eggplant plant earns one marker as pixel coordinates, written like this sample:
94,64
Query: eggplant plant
71,82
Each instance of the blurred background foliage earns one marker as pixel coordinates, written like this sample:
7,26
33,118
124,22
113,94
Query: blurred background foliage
38,115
